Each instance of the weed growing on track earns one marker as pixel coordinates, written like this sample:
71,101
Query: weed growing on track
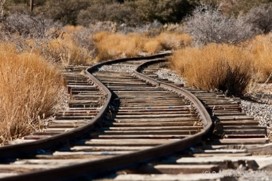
29,88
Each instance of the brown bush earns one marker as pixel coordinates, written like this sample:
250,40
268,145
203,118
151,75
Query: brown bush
66,52
113,45
29,88
260,49
173,41
224,67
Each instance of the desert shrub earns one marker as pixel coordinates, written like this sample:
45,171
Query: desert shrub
208,25
99,26
260,17
167,41
28,26
83,38
65,51
112,45
260,49
223,67
70,46
65,11
240,6
231,7
134,13
149,29
29,88
162,10
173,27
172,41
124,11
15,6
152,46
119,13
23,6
2,3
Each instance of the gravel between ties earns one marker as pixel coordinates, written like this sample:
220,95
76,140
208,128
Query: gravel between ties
165,73
119,68
261,112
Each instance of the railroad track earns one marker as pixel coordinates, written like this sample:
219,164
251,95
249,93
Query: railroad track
138,127
138,121
236,138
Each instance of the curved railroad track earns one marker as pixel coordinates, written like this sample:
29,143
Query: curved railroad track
236,143
132,121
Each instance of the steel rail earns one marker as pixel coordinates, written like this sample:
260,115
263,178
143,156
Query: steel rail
203,114
98,168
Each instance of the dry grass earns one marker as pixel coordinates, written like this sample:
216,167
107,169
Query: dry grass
72,29
224,67
66,51
260,49
73,45
173,41
152,46
114,45
62,48
230,68
29,88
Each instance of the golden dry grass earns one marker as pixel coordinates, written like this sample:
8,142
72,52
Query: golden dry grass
152,46
62,48
173,41
215,66
66,51
226,67
261,50
114,45
71,29
29,88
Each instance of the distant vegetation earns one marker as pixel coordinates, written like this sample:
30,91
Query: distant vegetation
133,12
83,12
217,44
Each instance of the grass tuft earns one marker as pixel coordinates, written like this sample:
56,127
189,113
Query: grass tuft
29,88
260,49
215,66
114,45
